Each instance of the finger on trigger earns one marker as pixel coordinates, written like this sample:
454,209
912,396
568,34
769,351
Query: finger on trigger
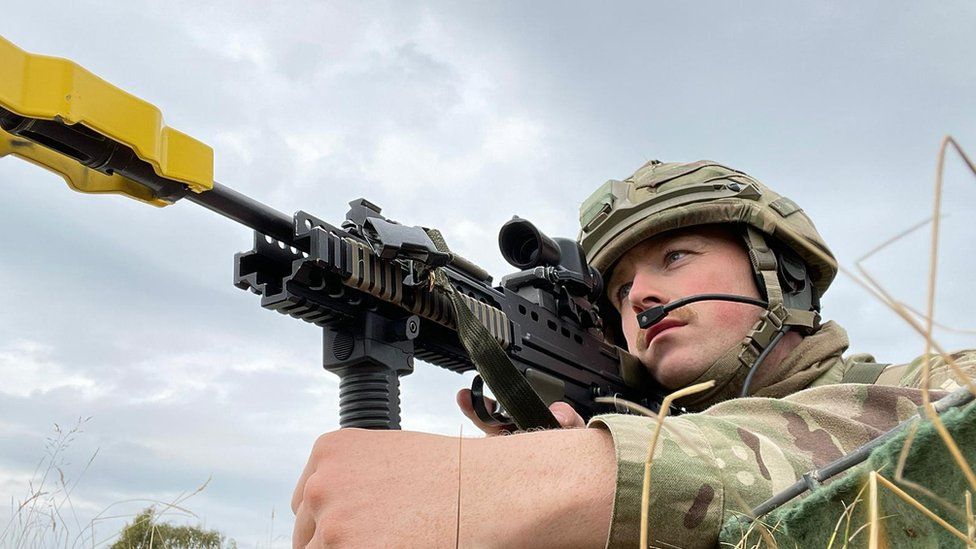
464,400
567,416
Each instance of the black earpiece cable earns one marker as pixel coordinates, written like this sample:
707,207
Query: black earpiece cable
653,315
762,356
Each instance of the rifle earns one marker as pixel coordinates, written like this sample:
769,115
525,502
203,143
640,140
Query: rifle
382,292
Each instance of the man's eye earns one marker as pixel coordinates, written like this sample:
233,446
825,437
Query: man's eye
622,292
674,255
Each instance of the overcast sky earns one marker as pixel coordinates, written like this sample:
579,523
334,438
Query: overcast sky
450,115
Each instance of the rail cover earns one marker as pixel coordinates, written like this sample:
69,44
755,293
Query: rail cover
51,88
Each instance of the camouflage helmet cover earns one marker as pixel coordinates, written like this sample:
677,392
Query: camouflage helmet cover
660,197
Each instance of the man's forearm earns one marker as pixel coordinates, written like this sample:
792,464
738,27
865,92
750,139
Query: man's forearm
546,489
394,488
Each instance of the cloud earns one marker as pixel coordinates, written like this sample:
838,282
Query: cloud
28,368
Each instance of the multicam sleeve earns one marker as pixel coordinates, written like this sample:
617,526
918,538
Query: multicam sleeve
941,376
728,459
687,496
725,461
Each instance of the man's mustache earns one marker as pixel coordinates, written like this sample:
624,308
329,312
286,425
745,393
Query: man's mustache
684,315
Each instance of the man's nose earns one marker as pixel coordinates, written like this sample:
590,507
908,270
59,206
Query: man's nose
645,292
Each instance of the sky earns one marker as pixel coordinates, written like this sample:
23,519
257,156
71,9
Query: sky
123,317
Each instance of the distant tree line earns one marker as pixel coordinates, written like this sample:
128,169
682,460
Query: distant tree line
147,532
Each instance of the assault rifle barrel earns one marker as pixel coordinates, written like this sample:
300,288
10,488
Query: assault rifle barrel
247,211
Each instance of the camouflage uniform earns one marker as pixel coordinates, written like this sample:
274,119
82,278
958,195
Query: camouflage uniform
738,453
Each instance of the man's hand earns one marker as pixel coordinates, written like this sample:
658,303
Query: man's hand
565,414
365,488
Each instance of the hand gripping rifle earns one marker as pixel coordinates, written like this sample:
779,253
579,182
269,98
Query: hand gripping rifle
382,292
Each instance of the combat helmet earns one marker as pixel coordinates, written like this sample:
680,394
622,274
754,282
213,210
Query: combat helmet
791,263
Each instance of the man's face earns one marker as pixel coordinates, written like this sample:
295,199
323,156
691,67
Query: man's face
670,266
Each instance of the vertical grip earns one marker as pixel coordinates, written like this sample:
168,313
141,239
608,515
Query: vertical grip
369,398
369,355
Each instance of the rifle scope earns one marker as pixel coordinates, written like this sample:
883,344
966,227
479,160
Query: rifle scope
524,246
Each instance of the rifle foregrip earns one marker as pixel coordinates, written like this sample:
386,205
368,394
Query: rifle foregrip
369,398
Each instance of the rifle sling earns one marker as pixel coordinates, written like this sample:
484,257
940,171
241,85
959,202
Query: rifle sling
509,385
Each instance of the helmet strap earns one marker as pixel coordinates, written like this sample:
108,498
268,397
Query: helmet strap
766,266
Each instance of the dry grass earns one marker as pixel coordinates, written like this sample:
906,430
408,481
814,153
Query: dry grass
457,517
910,316
875,481
846,517
646,491
46,517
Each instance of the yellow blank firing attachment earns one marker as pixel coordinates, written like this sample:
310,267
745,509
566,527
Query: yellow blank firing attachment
42,88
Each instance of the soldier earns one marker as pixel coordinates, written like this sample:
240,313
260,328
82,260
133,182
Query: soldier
668,232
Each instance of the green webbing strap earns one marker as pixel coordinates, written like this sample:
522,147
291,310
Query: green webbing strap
509,385
764,262
863,372
777,313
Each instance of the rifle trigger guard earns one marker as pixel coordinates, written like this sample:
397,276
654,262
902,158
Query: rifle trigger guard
496,416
